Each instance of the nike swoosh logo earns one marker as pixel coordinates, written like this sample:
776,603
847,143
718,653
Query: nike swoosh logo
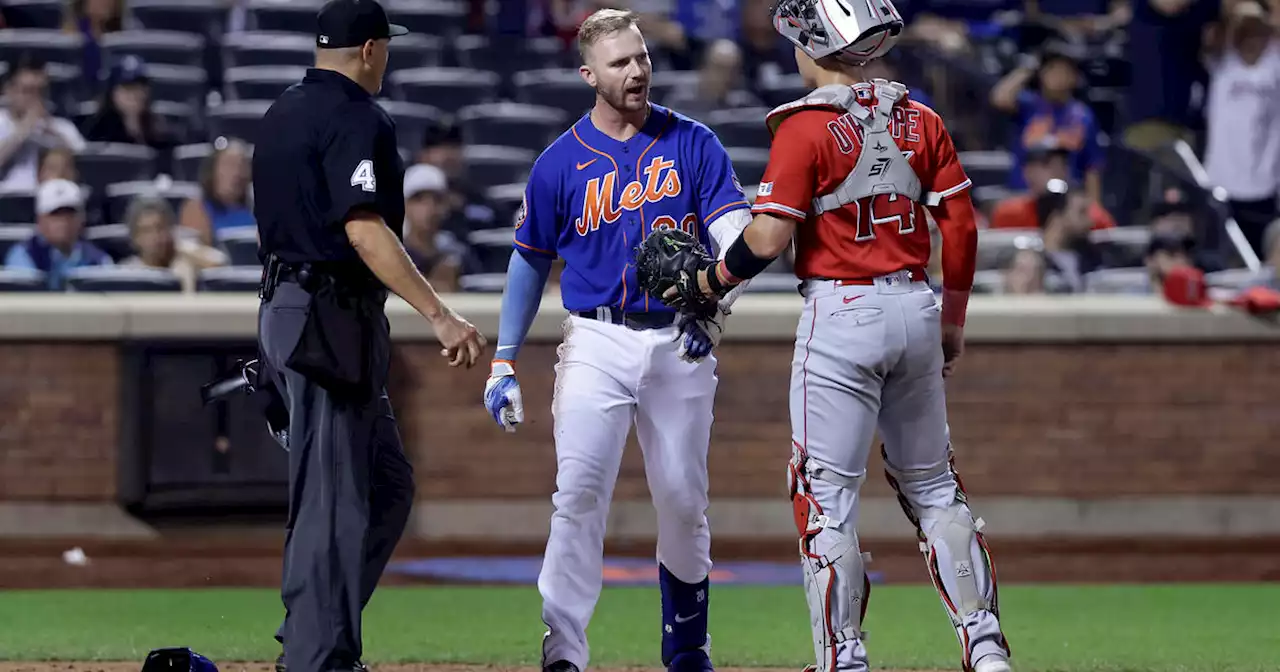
584,165
851,299
686,619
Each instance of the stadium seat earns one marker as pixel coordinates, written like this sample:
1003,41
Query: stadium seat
120,194
254,48
208,17
178,83
285,16
237,119
1122,246
33,13
506,200
119,279
492,248
743,127
102,163
187,159
66,86
241,244
508,57
415,51
997,246
11,234
488,283
1118,281
230,279
412,120
260,82
429,17
157,46
50,46
512,124
22,280
17,207
986,168
774,283
990,281
178,118
114,239
449,89
560,88
748,163
988,196
1237,278
665,82
787,89
491,165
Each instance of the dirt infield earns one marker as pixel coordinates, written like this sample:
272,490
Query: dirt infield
268,667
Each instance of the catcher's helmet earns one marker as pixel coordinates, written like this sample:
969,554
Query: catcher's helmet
855,31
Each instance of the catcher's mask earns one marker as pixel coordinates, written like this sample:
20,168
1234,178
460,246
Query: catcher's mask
854,31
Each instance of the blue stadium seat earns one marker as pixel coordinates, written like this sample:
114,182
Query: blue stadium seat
997,246
50,46
208,17
260,82
512,124
230,279
1237,278
748,163
988,282
774,283
664,82
1122,246
559,88
784,90
114,239
412,120
506,200
415,51
249,48
120,194
119,279
22,280
508,57
241,244
487,283
987,168
491,165
17,207
178,83
178,118
237,119
11,234
988,196
743,127
492,248
102,163
429,17
33,13
285,16
187,159
66,86
449,89
157,46
1118,281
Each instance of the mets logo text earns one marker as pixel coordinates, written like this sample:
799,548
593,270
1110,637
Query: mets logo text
660,181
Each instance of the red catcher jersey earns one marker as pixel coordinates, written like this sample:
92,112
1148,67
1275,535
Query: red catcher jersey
814,150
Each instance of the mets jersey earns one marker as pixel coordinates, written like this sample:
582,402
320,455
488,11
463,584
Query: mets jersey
591,199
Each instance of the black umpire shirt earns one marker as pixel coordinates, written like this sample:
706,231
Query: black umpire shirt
324,148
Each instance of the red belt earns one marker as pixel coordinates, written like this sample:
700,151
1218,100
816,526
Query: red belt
917,274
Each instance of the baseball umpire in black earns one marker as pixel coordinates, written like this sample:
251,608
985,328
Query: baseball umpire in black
329,202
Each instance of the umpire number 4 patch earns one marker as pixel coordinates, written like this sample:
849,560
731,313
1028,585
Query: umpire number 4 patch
363,177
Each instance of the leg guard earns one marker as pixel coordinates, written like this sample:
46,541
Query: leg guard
958,560
686,647
835,579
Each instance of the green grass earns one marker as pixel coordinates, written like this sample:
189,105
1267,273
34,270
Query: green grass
1218,628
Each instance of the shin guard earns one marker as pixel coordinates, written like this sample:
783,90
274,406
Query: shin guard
684,620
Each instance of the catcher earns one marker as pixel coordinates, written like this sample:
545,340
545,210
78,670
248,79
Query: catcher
852,169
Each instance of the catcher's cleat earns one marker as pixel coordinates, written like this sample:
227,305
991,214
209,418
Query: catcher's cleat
280,666
561,666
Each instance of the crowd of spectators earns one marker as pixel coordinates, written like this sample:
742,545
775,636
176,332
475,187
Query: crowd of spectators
1061,212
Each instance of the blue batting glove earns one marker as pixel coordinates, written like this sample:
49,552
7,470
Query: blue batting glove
698,336
502,395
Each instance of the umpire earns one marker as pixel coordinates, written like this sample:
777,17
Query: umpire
329,202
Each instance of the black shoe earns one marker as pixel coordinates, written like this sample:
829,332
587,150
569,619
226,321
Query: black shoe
280,663
561,666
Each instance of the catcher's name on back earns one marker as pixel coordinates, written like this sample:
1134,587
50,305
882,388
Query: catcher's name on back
592,199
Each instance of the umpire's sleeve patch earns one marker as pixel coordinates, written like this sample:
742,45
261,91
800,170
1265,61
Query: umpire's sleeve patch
363,177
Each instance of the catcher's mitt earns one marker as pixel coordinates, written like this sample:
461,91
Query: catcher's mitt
672,258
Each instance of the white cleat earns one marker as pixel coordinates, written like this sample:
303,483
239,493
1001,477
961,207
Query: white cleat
992,663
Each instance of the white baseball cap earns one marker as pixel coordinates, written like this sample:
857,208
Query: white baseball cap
58,194
424,177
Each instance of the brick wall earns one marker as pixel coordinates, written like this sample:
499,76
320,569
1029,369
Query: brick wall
1066,421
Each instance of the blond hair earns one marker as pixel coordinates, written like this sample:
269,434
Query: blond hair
601,24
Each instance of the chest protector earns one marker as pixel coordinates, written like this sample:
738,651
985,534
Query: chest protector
882,167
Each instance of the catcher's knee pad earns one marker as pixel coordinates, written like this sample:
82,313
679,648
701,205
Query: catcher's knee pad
951,540
835,578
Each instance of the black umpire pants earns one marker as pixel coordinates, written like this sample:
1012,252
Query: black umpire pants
350,493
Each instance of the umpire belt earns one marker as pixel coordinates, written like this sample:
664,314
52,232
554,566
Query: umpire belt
636,321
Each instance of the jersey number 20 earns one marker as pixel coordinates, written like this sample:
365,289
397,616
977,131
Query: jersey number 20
882,209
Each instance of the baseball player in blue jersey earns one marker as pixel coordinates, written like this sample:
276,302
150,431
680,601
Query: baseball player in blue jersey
626,168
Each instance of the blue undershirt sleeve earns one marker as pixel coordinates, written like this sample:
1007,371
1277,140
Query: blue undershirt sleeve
526,278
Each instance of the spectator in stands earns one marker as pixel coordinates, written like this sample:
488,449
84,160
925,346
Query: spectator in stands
1025,272
1165,253
1080,19
26,126
952,25
684,29
57,163
91,19
156,243
1163,50
224,193
438,254
124,109
718,86
1041,164
469,208
1243,119
1052,112
767,56
1064,214
56,247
